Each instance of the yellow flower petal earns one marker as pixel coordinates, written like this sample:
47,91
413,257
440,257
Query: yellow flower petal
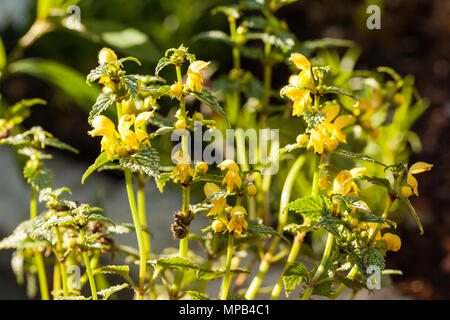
300,61
420,167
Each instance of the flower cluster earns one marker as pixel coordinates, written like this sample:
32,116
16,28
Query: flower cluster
232,177
124,140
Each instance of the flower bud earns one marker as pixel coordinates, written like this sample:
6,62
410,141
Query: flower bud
106,55
180,124
302,139
406,191
201,167
176,90
393,242
217,225
251,190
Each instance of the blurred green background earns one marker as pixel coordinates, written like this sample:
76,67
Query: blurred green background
413,39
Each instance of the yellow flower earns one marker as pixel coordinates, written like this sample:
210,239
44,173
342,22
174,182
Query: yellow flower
301,97
218,204
305,76
183,168
341,184
331,111
237,221
232,177
412,182
140,126
106,55
195,76
302,139
128,137
180,124
393,242
104,127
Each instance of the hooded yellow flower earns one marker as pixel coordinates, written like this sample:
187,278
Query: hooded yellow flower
232,177
237,221
305,76
218,204
412,182
301,97
140,126
344,187
195,76
183,168
128,137
106,55
104,127
331,111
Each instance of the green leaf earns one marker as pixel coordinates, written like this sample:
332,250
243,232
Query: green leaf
101,104
310,207
176,262
113,269
374,180
106,293
208,177
356,156
69,80
205,274
144,161
56,143
260,229
96,74
207,98
162,180
102,159
132,84
416,217
323,289
39,177
336,90
313,119
195,295
367,218
373,257
230,11
162,63
101,218
293,276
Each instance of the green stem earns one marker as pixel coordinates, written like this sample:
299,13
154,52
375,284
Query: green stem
227,278
87,263
142,215
61,262
139,233
56,281
38,259
321,269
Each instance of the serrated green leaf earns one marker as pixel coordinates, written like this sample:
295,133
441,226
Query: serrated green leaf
96,74
293,276
255,227
162,180
323,289
207,98
145,161
101,160
195,295
114,269
367,218
106,293
132,84
39,177
101,218
101,104
175,262
162,63
373,257
310,207
374,180
313,119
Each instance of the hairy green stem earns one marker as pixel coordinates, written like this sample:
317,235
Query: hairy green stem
143,215
61,261
38,259
139,233
227,277
87,263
